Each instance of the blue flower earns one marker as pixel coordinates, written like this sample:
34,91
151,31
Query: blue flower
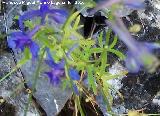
58,15
57,70
73,74
133,4
139,54
20,40
142,58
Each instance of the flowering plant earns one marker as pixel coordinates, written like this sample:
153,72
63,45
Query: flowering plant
73,59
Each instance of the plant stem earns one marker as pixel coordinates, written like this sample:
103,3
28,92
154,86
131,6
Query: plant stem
34,82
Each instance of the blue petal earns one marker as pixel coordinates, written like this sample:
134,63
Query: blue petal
61,12
33,31
11,43
21,43
43,6
131,64
34,48
49,74
152,46
58,18
75,89
43,9
50,61
26,16
18,40
74,74
53,79
49,54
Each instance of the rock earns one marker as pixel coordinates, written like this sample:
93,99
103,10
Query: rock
50,98
139,89
12,89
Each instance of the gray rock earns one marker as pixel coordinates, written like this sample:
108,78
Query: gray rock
50,98
12,89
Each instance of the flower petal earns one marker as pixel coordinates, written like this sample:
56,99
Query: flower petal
53,79
131,64
17,40
50,61
75,89
74,74
26,16
44,5
62,12
151,46
58,18
34,48
11,43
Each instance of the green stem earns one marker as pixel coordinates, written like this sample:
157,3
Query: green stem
34,82
37,71
28,103
77,102
109,110
23,61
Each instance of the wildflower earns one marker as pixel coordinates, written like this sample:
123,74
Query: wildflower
20,40
139,54
57,70
58,15
133,4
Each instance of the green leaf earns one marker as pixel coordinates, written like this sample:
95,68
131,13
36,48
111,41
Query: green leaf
87,42
20,63
100,40
65,84
29,24
75,33
103,61
114,42
75,26
16,17
106,89
107,77
69,20
45,41
118,53
27,54
108,36
91,79
96,50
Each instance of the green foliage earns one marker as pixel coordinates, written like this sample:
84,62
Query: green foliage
91,79
90,56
